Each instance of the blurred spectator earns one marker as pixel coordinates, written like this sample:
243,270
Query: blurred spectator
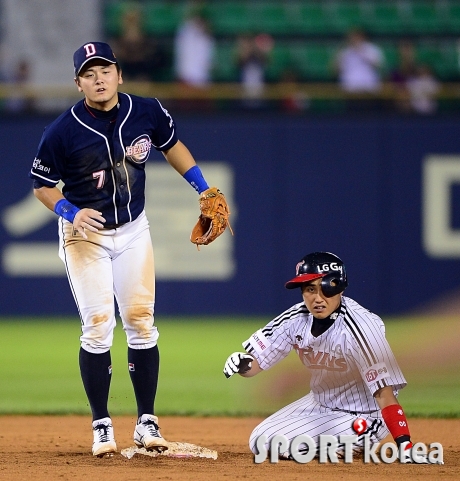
19,100
399,77
141,58
423,89
294,100
406,62
253,53
359,64
194,49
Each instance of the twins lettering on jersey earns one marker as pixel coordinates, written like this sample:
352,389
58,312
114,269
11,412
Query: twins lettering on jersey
321,360
139,149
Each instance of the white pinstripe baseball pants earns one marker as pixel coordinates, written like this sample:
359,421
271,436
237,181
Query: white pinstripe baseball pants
307,416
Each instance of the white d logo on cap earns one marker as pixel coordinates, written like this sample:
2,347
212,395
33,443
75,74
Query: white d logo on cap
90,49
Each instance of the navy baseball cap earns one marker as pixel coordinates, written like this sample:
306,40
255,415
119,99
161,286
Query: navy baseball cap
90,51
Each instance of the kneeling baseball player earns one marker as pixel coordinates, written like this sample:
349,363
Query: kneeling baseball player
353,370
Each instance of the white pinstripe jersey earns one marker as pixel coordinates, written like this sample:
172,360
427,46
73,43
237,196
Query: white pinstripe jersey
349,362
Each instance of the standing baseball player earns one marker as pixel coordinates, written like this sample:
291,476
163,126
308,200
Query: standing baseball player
353,370
98,149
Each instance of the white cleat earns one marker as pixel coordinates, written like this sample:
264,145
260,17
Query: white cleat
412,457
147,434
103,439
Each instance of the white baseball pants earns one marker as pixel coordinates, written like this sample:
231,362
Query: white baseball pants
112,262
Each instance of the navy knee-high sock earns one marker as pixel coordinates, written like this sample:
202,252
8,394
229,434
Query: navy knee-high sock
143,365
96,373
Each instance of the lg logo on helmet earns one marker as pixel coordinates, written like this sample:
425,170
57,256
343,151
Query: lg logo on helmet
333,266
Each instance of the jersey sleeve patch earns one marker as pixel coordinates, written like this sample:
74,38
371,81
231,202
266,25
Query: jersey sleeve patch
259,342
375,373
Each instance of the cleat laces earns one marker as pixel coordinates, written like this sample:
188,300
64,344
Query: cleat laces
103,433
152,428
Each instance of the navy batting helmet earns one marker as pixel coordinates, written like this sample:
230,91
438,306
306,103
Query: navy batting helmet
324,265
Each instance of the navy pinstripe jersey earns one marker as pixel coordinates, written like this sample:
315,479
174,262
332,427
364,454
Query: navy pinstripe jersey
349,362
102,164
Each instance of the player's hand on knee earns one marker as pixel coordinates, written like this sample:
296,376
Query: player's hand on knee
237,363
88,219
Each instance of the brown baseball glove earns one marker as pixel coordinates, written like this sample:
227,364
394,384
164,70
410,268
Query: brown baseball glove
213,219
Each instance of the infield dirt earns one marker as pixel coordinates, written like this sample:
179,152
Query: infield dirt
51,448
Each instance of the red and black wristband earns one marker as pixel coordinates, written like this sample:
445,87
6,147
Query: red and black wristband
396,422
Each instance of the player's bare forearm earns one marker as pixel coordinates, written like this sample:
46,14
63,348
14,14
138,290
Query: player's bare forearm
48,196
385,397
180,158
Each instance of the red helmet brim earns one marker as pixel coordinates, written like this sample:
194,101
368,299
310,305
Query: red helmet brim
297,281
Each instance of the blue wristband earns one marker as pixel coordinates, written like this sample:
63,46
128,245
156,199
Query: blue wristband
195,178
65,209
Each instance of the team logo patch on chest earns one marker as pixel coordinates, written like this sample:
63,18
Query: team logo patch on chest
139,149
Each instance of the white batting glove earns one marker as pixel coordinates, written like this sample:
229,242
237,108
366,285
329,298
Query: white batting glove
238,362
